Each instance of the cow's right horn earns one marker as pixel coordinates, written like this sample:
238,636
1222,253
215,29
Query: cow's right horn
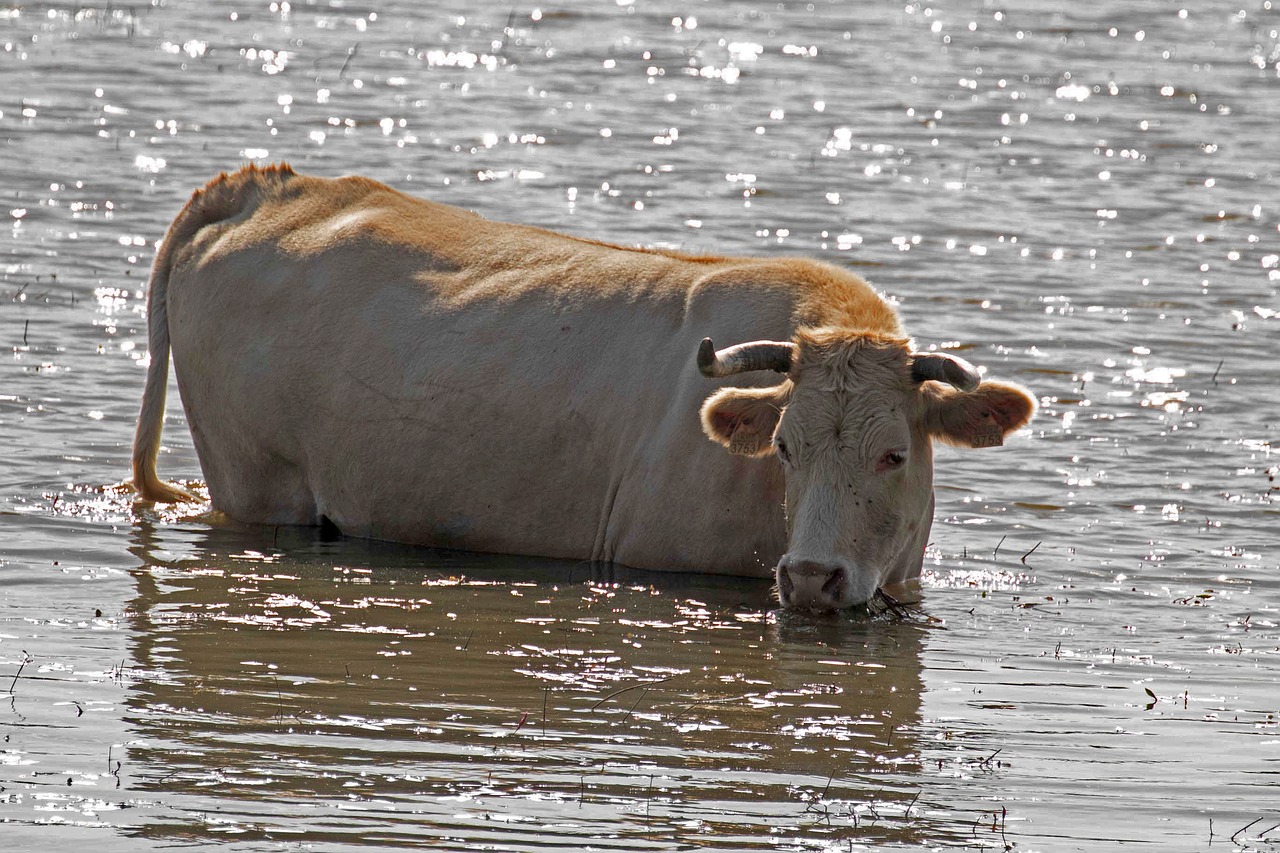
742,358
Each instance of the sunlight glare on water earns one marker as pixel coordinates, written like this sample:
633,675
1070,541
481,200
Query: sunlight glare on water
1082,199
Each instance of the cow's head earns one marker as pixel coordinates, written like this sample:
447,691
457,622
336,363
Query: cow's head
853,424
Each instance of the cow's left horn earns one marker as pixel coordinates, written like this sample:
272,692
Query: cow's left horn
756,355
941,367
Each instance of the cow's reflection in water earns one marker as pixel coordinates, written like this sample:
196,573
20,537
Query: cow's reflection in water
334,691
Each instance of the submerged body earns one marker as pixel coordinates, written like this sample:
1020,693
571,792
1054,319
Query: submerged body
413,372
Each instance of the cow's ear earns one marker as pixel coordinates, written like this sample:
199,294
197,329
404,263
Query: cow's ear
743,419
980,418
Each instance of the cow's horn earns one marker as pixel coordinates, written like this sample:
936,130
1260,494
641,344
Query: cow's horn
941,367
756,355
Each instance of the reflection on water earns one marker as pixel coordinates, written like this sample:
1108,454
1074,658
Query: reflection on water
1081,198
363,698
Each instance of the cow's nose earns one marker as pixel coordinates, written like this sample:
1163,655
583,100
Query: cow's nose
811,585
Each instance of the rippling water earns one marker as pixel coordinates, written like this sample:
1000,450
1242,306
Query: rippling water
1083,199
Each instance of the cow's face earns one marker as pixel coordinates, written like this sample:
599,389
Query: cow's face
852,425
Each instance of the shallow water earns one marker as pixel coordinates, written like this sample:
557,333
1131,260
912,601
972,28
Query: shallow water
1081,199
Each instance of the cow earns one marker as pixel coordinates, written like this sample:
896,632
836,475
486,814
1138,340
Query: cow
350,355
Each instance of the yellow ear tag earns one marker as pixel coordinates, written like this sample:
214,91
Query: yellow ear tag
988,433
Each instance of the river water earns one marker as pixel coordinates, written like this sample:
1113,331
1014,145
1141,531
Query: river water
1082,197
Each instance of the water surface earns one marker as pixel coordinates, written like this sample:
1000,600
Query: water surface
1083,200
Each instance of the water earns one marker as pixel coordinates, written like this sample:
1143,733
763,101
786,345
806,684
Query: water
1082,199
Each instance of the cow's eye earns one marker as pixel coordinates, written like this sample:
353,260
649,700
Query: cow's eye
781,447
892,460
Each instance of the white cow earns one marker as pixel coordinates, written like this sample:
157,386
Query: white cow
410,371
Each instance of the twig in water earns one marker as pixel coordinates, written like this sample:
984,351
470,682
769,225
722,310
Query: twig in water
1032,551
1243,828
350,53
643,693
687,708
996,552
892,606
26,659
911,804
545,692
25,324
1215,372
818,799
817,803
629,689
649,794
508,31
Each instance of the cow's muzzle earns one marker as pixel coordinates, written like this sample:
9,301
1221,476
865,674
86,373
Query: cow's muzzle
812,585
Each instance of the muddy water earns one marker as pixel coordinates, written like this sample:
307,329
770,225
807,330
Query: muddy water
1083,200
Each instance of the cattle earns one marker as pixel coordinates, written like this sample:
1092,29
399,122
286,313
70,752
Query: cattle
347,354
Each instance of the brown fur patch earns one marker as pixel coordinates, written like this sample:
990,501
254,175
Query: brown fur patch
232,191
840,358
839,299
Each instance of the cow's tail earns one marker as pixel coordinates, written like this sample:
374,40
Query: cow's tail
146,441
222,197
